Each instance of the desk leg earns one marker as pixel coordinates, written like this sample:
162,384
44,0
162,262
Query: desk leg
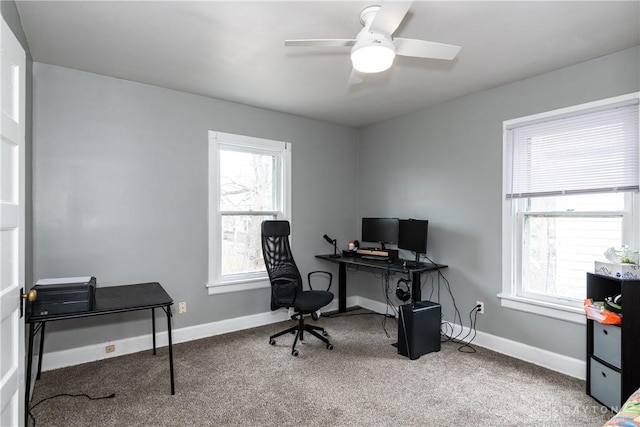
342,288
416,291
27,383
173,390
153,328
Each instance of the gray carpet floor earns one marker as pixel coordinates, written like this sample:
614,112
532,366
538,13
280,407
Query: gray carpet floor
238,379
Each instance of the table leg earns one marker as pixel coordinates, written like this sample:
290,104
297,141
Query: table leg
416,291
41,350
342,288
153,328
27,383
173,391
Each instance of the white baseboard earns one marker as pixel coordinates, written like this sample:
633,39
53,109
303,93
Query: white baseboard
75,356
556,362
78,355
369,304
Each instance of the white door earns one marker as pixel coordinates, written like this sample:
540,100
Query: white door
12,218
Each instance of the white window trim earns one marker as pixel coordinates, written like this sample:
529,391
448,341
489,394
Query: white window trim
508,296
216,285
543,308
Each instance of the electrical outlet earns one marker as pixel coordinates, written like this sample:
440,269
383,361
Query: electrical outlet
110,348
182,307
480,304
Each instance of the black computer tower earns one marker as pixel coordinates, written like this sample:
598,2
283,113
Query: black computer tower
419,329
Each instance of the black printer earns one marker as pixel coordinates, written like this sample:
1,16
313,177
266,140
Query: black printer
64,295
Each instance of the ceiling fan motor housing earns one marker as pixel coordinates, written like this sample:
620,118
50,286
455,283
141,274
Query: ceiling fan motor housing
372,53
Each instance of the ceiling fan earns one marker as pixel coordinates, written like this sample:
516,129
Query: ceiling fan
374,49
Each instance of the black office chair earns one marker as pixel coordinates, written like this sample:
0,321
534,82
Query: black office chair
286,284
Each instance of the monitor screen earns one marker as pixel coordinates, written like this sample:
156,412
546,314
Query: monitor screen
380,230
412,235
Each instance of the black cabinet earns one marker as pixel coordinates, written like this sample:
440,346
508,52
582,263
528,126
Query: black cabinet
613,373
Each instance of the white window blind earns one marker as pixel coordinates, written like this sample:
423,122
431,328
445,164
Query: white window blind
594,150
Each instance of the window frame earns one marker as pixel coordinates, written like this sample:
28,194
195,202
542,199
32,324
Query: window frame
513,219
217,283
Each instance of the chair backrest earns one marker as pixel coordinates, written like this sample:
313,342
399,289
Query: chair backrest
283,272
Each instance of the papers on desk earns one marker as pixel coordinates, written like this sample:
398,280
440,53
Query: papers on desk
64,280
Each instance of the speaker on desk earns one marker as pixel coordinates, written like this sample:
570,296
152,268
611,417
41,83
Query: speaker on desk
419,329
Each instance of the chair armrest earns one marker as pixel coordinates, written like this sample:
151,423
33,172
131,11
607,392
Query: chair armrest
324,273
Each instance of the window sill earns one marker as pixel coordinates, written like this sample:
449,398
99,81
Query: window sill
556,311
237,286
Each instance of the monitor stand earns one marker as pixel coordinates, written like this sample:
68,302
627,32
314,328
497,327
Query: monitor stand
415,263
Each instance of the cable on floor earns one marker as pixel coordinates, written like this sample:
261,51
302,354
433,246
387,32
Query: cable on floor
64,395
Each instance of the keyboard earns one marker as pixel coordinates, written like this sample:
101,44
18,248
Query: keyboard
409,264
374,257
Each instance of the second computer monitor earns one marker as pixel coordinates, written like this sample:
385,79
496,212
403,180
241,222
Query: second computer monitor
380,230
412,236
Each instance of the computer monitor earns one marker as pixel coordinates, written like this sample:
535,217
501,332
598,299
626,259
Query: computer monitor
412,236
380,230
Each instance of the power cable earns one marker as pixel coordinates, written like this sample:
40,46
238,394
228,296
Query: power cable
63,395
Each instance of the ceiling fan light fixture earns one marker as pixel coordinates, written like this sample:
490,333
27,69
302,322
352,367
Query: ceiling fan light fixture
372,56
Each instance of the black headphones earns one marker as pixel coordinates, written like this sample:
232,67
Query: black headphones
403,294
614,304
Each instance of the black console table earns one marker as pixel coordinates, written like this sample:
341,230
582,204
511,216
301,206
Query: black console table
397,266
108,300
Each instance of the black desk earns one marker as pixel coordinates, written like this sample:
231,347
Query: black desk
416,292
109,300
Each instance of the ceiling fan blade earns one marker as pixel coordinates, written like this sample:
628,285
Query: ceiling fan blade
355,78
390,15
425,49
321,42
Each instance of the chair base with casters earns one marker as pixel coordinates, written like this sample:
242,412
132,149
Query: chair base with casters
299,330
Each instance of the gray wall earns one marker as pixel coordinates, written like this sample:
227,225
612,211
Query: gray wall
120,192
444,164
10,15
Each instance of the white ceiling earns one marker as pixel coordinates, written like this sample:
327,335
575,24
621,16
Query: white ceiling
234,50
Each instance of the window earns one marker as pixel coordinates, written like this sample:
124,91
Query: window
249,182
570,192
